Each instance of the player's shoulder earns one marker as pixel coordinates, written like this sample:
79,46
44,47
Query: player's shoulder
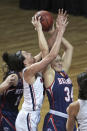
74,104
73,108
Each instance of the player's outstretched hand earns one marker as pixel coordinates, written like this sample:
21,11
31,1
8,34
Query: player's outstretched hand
36,22
61,20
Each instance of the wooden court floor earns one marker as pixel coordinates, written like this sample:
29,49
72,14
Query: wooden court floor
17,32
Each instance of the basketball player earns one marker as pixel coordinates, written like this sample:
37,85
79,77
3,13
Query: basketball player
58,85
77,110
29,116
11,91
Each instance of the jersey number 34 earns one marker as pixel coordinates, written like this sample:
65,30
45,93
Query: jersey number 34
69,94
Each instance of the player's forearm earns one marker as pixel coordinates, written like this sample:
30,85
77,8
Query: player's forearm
57,43
67,55
69,127
71,120
67,44
52,39
43,43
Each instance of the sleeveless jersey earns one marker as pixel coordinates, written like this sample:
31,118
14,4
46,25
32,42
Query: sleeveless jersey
33,94
60,93
9,100
82,115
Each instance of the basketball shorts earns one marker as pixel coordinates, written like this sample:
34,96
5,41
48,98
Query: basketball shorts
8,121
54,123
27,121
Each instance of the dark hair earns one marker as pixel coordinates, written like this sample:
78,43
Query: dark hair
82,82
14,61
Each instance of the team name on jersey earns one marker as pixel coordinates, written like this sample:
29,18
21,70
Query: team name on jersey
19,91
63,81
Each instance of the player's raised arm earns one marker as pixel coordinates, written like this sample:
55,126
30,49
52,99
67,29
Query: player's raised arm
42,40
67,55
9,81
54,51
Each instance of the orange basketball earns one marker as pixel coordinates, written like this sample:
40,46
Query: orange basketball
46,19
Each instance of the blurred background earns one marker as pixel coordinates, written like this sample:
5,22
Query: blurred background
17,33
75,7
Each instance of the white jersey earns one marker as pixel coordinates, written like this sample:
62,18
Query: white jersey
29,116
82,116
33,94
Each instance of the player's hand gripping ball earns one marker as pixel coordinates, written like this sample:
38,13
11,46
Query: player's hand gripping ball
46,19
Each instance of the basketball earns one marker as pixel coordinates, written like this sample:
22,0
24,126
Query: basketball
46,19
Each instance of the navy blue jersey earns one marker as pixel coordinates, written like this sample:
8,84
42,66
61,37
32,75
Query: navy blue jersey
9,100
60,93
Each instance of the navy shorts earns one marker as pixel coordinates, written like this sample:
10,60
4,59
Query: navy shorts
54,123
8,121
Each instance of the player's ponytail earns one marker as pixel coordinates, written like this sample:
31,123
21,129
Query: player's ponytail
14,61
5,57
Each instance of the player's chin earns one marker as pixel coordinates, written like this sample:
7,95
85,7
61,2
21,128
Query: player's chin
59,68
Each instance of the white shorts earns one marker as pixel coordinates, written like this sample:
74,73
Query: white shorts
26,121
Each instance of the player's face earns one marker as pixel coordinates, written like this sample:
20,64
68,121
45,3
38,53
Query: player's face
29,59
57,63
